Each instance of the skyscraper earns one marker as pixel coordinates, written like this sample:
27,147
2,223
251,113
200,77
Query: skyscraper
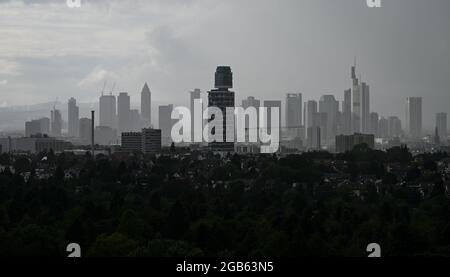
73,117
347,112
310,112
294,115
146,106
135,120
365,108
330,108
356,98
56,123
441,125
374,118
194,95
394,127
108,114
414,117
123,112
255,103
85,130
383,128
165,124
32,128
221,97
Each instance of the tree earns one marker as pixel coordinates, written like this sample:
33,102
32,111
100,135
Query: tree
114,245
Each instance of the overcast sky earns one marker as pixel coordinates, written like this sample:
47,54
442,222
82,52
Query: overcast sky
274,47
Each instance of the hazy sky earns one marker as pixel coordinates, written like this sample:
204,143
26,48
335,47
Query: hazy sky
48,50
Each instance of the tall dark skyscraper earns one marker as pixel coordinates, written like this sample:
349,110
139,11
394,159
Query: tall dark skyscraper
347,112
222,98
414,117
356,102
73,117
146,106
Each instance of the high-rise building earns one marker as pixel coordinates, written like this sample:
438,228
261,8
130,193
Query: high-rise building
135,121
56,122
347,143
108,114
313,138
394,127
441,125
247,103
251,102
414,117
105,135
356,102
374,118
329,108
165,123
383,128
222,98
146,107
73,117
310,112
294,114
347,112
32,128
131,141
85,130
123,112
45,125
151,141
194,95
365,108
270,105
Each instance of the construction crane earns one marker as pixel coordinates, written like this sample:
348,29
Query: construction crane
112,89
104,86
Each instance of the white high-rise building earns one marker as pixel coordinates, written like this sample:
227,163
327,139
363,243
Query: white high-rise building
146,106
108,114
73,118
123,113
441,125
414,117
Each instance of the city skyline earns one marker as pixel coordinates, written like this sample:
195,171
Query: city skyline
305,58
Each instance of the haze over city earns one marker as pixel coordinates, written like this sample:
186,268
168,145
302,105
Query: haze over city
274,47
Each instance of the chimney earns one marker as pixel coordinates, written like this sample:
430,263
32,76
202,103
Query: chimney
92,132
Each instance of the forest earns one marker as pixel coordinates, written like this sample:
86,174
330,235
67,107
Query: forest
203,205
